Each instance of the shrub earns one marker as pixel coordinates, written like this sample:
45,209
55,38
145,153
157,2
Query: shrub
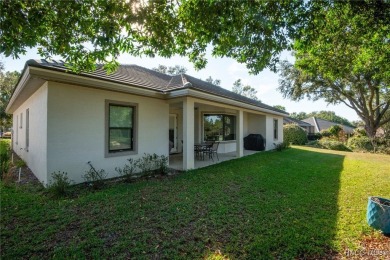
128,172
335,130
149,164
330,144
360,143
294,134
363,144
281,146
359,132
4,158
314,143
163,165
95,178
314,136
59,184
325,133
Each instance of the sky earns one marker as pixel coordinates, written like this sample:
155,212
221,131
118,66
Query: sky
225,69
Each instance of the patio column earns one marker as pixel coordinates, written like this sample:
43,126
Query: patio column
269,136
240,133
188,133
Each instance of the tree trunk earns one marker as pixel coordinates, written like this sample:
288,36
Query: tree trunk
371,132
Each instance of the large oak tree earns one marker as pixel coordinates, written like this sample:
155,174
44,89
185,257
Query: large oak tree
90,31
344,58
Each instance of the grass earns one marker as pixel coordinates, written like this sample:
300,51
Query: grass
4,156
302,202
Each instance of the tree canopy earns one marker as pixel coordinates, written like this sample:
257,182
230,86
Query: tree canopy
216,82
7,82
91,31
280,107
344,60
171,70
244,90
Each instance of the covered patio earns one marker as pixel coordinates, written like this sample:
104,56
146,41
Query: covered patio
176,160
193,121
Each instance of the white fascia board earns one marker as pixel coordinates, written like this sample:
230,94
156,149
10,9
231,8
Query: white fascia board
219,99
21,84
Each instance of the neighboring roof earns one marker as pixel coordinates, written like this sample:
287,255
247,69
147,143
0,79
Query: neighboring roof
146,78
289,120
321,124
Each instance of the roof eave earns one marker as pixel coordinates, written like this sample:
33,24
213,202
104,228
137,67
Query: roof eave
220,99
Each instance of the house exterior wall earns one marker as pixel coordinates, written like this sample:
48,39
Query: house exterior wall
76,129
270,140
35,154
256,124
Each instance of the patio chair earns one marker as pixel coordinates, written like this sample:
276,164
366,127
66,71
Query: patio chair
211,150
198,151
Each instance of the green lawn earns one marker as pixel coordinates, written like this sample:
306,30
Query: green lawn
302,202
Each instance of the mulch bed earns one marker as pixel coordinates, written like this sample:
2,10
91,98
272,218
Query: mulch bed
26,176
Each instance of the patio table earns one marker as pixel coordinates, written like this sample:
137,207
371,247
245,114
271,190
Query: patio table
200,147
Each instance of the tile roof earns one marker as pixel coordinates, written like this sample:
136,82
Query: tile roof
289,120
219,91
146,78
321,124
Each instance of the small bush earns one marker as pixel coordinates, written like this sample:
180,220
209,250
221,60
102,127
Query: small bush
4,158
360,143
314,143
384,149
294,134
334,130
149,164
129,171
359,132
364,144
281,146
314,136
95,178
163,165
325,133
59,184
330,144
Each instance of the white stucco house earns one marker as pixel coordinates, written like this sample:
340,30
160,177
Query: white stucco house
62,120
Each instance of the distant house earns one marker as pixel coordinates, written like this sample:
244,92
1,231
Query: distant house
321,124
306,126
62,120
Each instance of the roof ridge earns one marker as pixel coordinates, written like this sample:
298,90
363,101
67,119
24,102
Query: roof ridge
316,123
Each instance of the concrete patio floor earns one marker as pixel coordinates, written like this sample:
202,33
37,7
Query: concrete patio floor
176,160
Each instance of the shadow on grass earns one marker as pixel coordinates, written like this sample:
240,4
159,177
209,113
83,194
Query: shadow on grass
268,205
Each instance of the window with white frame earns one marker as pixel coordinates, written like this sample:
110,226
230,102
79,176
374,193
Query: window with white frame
219,127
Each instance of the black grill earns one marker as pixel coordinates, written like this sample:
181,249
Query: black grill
254,142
